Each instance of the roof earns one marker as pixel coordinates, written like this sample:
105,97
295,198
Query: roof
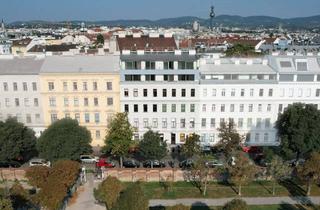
20,66
295,64
21,42
165,57
52,48
78,64
236,69
160,43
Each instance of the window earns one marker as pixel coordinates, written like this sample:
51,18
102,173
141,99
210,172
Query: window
16,102
85,102
182,123
34,86
183,92
192,123
233,92
213,108
260,92
164,107
85,86
145,107
270,92
109,101
280,108
173,123
95,86
168,78
145,92
240,123
183,108
164,123
96,102
203,122
155,123
96,117
204,107
173,108
50,86
222,121
25,86
76,102
242,92
54,118
231,107
52,101
75,86
291,92
192,107
150,65
126,93
318,93
109,85
257,137
35,102
267,123
173,92
135,108
15,86
249,122
211,138
98,135
164,92
26,102
266,137
212,122
126,108
150,77
168,65
86,117
136,122
65,86
205,92
223,92
241,109
37,116
258,125
223,108
135,92
260,108
155,93
77,116
193,93
250,107
214,92
251,92
300,92
155,108
5,86
7,102
269,108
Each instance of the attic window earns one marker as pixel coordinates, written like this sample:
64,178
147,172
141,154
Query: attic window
285,64
302,66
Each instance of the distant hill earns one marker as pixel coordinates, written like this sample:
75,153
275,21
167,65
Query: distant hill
221,20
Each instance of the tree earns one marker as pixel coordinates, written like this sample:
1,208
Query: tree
5,204
37,176
298,130
132,198
64,139
277,170
242,171
152,147
230,139
119,136
108,191
241,50
178,207
17,142
236,204
100,39
191,146
19,196
310,170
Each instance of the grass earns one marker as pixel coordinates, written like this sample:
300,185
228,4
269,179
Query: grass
155,190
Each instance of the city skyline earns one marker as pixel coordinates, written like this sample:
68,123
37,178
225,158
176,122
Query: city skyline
15,10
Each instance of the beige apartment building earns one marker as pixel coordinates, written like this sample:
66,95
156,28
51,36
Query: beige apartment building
85,88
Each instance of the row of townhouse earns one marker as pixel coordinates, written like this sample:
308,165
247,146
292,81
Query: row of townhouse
161,88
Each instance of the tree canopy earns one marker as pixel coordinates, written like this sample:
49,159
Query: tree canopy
64,139
236,204
191,146
119,136
298,130
277,170
100,39
152,147
17,142
241,50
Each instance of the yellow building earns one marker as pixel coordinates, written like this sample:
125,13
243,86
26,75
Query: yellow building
20,47
85,88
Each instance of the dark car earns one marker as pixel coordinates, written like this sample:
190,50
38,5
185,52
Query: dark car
10,164
131,164
186,163
154,164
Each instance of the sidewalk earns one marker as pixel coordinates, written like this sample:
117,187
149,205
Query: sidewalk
249,200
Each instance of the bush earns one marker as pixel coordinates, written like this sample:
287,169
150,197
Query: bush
236,204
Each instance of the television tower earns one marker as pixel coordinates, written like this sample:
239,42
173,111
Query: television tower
212,15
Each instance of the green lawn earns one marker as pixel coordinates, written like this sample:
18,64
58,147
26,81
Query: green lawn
155,190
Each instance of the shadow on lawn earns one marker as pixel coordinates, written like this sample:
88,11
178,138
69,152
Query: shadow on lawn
286,206
293,188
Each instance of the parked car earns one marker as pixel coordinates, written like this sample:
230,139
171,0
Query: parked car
39,162
88,159
10,164
131,164
186,163
213,163
155,164
103,162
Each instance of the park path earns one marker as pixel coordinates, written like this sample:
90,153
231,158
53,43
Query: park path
249,200
85,199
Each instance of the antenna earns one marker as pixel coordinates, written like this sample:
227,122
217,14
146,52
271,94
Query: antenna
212,15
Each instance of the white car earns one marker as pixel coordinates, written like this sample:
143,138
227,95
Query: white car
88,159
39,162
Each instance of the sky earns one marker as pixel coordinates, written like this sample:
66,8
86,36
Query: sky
58,10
